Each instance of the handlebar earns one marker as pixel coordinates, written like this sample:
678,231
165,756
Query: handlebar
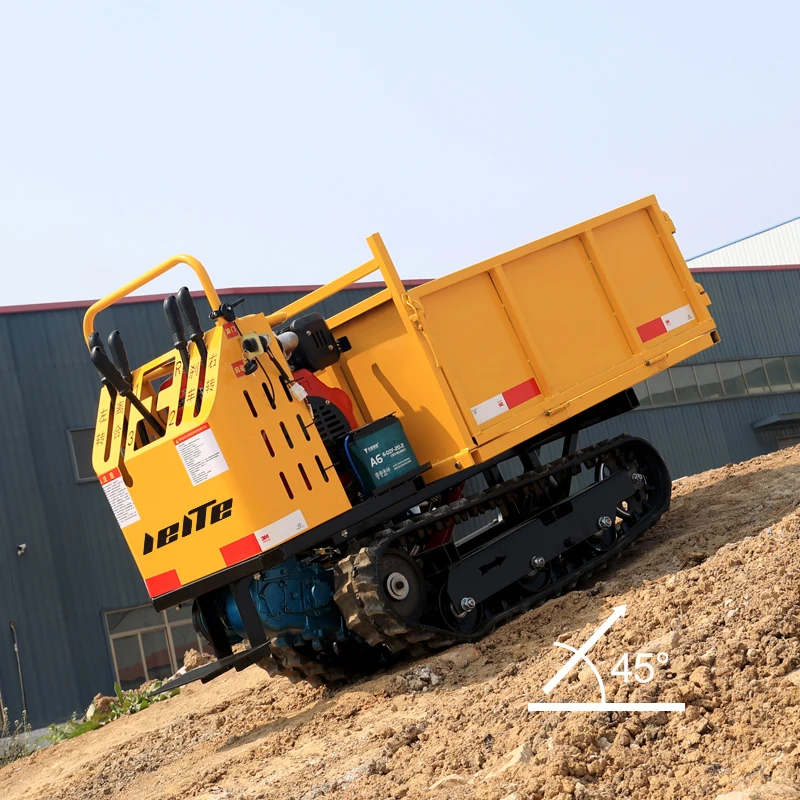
164,266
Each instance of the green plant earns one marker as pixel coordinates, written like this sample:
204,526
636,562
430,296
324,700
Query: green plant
125,702
15,741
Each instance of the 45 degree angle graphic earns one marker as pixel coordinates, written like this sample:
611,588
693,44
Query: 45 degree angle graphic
621,669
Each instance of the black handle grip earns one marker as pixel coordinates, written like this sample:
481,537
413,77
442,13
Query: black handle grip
119,356
96,340
189,311
174,321
103,365
176,327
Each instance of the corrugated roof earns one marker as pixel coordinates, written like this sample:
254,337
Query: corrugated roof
778,246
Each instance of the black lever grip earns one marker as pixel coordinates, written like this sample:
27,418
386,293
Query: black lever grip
189,311
103,365
96,340
119,356
176,327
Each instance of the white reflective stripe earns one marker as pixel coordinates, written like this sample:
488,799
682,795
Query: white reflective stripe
277,532
677,318
489,409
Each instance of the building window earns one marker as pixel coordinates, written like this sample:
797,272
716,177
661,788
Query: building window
81,441
755,376
732,378
708,381
777,374
148,644
686,384
661,390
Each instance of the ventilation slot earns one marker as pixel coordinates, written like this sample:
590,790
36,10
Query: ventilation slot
268,443
321,469
305,477
303,428
270,394
286,390
288,438
250,403
287,487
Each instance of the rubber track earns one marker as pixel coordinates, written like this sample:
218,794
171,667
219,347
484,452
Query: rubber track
359,594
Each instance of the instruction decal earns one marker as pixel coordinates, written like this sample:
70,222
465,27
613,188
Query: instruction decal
119,498
200,454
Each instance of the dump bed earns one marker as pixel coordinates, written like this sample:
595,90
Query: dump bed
496,353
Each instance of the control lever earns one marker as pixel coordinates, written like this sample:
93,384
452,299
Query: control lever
189,312
103,365
176,328
95,340
119,356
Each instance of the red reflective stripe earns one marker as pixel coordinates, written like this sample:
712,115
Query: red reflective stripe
652,329
517,395
240,550
163,583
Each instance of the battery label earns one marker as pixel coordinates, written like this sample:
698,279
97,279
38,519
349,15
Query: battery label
281,530
200,454
119,498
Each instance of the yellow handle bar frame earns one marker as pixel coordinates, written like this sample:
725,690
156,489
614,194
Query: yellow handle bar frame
155,272
150,275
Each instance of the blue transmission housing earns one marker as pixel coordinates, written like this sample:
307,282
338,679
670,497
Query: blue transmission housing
295,602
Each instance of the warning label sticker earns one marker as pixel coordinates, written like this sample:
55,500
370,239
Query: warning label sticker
200,454
280,531
119,498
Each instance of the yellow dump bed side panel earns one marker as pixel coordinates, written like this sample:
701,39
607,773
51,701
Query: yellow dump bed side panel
555,326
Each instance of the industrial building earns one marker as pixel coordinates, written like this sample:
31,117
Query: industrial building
74,614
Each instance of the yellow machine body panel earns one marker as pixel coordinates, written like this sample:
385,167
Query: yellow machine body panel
232,477
472,364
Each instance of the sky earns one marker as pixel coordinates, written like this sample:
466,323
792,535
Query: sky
268,139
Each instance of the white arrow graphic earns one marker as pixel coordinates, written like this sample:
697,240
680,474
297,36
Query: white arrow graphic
619,612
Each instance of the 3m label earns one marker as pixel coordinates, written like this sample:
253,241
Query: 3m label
500,403
119,498
280,531
200,454
667,322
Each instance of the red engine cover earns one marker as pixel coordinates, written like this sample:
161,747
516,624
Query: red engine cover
316,388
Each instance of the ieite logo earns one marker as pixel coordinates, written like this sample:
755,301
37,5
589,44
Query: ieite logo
203,516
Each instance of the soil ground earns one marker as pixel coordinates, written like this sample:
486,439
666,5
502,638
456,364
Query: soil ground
714,585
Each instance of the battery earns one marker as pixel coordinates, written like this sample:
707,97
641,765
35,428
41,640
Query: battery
380,454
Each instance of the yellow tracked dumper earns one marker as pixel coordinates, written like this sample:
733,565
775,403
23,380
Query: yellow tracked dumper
303,481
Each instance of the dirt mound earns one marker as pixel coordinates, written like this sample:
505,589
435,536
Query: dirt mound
714,585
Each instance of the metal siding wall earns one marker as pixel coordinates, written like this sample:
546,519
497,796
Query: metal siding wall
700,436
77,565
756,314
